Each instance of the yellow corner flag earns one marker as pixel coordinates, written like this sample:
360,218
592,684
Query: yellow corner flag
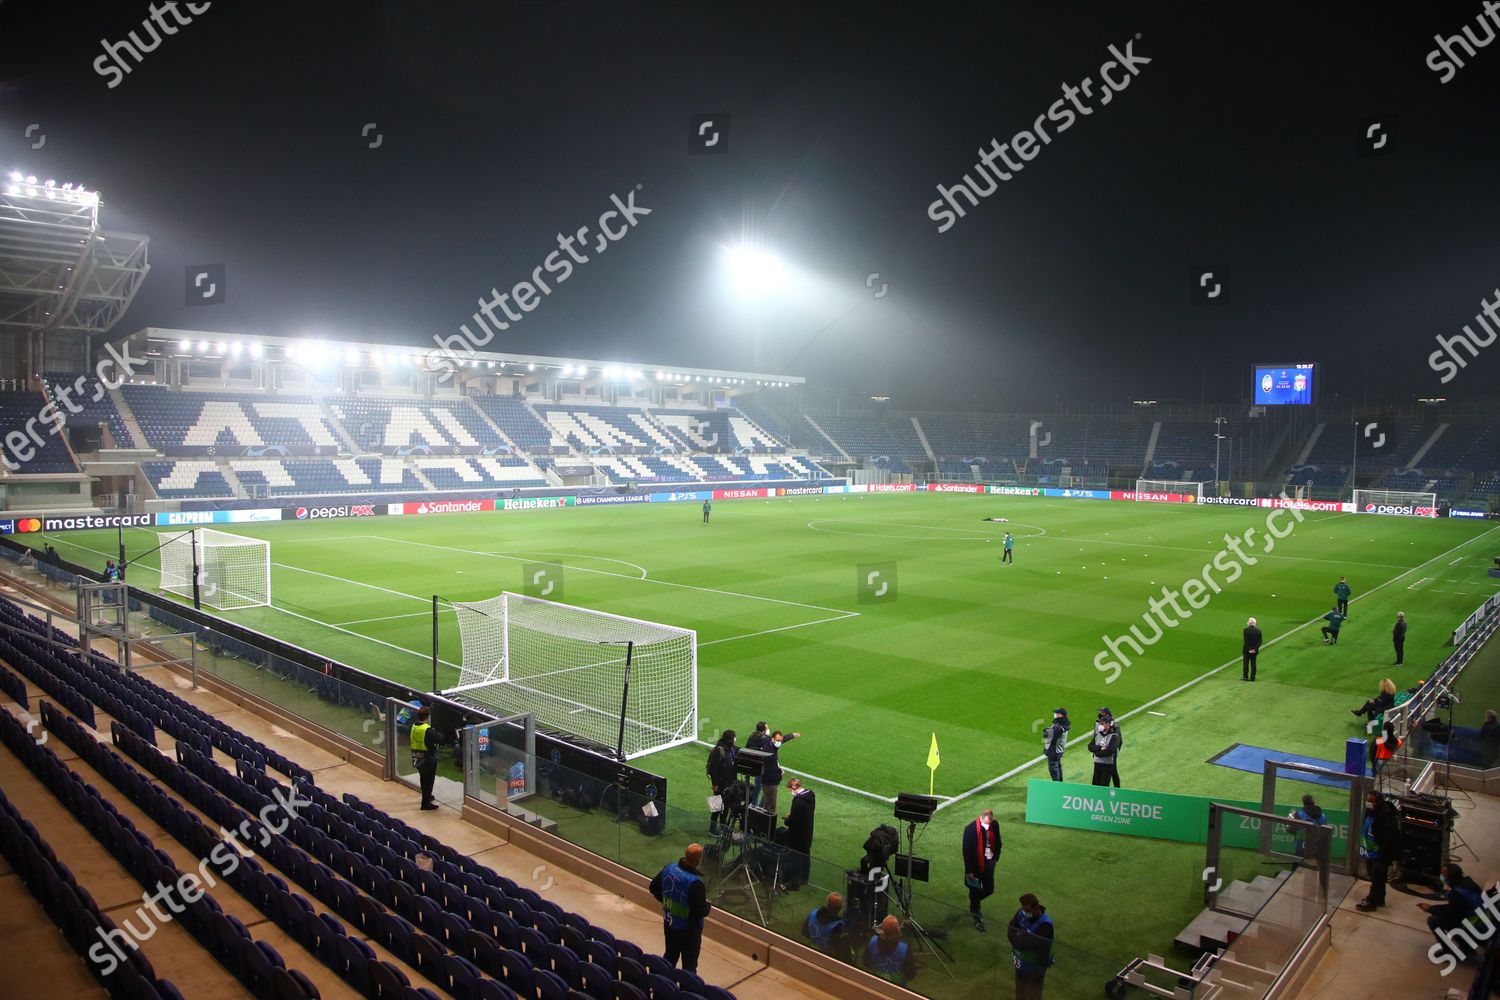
933,760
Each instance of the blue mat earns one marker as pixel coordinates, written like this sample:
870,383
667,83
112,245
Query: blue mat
1243,757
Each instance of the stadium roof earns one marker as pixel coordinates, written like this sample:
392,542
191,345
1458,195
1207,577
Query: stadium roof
302,351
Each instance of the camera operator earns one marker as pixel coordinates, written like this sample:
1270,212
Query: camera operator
721,775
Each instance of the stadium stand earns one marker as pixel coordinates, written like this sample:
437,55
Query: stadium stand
518,422
763,416
958,437
340,879
891,443
16,410
173,418
379,424
91,411
188,478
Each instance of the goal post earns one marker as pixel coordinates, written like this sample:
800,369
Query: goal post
1170,486
232,571
568,666
1409,503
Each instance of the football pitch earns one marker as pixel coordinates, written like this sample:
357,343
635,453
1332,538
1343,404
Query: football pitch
791,630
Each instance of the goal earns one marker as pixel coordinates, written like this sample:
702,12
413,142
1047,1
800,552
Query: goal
566,665
1404,502
1170,486
233,571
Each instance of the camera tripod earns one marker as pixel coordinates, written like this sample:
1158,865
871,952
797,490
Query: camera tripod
923,940
741,872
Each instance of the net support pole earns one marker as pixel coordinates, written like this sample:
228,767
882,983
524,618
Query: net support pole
197,571
434,643
120,538
625,699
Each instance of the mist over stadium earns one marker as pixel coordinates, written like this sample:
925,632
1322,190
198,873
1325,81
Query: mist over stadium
653,501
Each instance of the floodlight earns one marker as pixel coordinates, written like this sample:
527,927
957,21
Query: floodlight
255,350
13,189
202,347
185,345
15,175
220,347
752,269
31,179
236,348
492,364
531,367
351,356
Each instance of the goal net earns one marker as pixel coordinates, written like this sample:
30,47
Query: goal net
233,571
1169,486
566,665
1403,502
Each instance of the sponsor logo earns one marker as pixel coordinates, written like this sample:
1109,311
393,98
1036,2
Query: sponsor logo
448,506
798,491
1403,510
893,487
7,527
1015,491
1476,515
344,510
955,487
1294,504
1231,501
1146,497
536,503
85,522
618,498
740,494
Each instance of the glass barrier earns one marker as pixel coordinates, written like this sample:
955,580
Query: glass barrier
1453,728
1251,963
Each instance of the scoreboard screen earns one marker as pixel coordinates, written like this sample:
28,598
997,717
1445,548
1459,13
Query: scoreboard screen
1277,385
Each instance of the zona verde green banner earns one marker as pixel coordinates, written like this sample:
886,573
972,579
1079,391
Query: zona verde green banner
1138,812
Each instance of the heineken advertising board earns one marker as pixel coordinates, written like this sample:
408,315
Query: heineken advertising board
1159,815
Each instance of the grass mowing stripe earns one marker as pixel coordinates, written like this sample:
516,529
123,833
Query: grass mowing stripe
1223,666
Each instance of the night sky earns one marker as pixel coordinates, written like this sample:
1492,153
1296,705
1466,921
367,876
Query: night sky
1241,147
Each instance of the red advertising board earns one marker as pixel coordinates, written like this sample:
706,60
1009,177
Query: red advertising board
955,487
442,507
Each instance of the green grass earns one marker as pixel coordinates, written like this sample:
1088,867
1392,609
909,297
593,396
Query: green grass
975,651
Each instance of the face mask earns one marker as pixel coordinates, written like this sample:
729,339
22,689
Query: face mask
985,823
776,743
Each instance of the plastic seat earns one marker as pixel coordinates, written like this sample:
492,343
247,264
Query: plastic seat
353,958
687,981
426,954
628,991
595,980
549,985
384,981
630,971
661,987
658,966
289,984
516,971
561,960
459,977
489,989
259,959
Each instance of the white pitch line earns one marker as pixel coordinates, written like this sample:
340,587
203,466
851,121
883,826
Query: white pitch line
784,628
1202,677
389,618
367,638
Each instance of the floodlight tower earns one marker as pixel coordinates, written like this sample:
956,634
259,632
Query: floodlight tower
59,272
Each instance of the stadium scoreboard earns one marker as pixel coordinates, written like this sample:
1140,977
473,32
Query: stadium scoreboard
1281,385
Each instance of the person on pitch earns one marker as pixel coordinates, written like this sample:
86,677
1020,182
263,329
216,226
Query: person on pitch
981,856
1341,594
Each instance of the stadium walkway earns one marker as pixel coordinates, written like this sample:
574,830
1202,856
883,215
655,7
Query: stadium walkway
743,975
1384,954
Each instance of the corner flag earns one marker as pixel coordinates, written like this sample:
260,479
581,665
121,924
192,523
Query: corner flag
933,760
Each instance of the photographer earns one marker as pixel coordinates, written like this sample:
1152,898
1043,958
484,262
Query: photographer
721,775
1055,742
1105,746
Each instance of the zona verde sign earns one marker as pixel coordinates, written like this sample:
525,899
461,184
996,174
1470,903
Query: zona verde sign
1160,815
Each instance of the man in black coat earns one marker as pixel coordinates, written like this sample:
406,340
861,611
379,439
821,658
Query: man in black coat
1251,650
1398,637
721,774
770,775
981,856
799,834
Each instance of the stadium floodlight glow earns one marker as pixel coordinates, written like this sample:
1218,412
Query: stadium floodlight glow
255,350
753,269
351,356
531,367
31,178
236,348
221,347
185,345
16,175
202,347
